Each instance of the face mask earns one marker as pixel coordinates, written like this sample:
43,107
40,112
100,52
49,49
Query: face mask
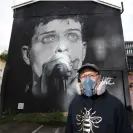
88,87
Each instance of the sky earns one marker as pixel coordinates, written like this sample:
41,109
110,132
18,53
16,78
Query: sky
6,20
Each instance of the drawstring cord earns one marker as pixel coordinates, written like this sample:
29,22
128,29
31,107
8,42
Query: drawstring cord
92,105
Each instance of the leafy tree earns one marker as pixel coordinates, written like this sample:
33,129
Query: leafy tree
4,55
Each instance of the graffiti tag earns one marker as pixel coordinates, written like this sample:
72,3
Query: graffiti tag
108,80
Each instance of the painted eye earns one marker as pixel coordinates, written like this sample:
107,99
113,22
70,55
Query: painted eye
49,39
72,37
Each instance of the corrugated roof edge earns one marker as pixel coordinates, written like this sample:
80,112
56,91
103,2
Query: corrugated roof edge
129,41
34,1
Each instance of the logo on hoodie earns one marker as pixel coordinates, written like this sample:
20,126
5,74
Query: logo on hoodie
87,121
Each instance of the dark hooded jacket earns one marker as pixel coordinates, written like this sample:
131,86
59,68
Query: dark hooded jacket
97,114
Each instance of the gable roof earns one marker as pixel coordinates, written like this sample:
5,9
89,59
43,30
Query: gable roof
116,6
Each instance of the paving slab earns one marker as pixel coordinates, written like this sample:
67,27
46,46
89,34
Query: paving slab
17,127
25,127
62,130
45,129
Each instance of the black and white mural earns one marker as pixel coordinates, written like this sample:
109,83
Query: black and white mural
50,41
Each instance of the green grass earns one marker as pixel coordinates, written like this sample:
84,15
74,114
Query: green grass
55,118
5,119
6,116
50,117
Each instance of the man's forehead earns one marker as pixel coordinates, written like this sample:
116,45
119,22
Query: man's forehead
58,25
87,70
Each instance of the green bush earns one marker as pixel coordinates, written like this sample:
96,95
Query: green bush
4,55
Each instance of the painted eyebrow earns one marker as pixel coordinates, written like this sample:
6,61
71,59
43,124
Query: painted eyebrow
73,30
49,32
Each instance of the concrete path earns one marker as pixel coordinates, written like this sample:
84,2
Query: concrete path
23,127
51,130
16,127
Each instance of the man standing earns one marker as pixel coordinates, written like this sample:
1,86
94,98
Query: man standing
95,111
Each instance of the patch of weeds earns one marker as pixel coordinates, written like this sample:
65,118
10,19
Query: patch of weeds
7,116
51,117
42,118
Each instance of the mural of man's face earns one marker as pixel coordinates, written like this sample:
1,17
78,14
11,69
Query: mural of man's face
59,36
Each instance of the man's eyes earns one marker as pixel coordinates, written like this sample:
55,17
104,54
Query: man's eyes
85,76
49,39
72,37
